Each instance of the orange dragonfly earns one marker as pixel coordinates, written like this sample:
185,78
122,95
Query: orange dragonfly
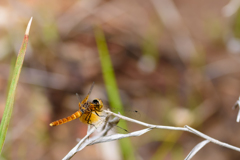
89,112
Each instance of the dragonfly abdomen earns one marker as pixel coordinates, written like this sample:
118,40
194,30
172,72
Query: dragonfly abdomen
65,120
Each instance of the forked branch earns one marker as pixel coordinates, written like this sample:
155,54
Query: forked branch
112,122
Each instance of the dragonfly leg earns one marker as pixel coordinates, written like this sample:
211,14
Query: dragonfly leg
98,114
88,118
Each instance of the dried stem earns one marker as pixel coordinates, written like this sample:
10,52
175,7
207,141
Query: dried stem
110,123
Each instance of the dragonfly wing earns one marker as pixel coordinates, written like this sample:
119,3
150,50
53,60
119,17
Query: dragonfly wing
86,98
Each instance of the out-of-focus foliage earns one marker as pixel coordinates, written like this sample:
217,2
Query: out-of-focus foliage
176,62
236,25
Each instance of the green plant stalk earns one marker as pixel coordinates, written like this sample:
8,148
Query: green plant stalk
112,89
12,90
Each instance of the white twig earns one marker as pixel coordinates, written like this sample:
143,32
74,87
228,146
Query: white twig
237,104
79,145
86,140
145,124
111,123
212,139
186,128
238,116
120,136
196,149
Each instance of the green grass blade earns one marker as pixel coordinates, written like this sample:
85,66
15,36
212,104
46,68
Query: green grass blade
112,89
12,90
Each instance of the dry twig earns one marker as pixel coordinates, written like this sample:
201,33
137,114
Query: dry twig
112,122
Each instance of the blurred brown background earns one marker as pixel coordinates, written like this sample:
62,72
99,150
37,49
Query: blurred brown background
175,61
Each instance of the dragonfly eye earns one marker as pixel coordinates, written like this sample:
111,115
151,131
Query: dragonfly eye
95,101
98,104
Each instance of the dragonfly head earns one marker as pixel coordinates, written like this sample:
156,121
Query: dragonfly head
98,104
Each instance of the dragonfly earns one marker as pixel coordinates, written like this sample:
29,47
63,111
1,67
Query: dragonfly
88,113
